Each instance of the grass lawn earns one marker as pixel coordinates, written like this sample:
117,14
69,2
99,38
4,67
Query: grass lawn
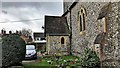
53,62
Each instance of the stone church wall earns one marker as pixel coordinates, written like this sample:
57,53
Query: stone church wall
54,44
86,39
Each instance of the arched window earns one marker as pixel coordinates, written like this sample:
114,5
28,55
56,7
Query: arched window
80,23
102,25
81,15
83,21
62,40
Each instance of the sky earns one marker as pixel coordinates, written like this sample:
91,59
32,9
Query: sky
30,15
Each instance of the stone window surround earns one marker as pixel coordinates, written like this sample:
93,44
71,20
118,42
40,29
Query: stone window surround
81,12
103,22
64,40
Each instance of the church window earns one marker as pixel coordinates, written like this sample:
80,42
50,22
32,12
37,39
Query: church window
81,20
102,26
62,40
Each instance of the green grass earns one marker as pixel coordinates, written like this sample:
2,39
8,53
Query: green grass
43,63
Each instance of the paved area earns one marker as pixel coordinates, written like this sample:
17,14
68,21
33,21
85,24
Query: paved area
30,61
27,61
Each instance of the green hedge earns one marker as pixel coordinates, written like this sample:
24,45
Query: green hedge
13,49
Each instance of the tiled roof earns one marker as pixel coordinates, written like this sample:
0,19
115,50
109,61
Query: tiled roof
104,11
55,25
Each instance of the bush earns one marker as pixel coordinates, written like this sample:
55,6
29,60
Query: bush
13,49
90,59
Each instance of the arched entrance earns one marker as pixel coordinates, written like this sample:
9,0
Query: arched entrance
100,43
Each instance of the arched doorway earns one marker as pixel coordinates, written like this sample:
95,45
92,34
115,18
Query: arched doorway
100,43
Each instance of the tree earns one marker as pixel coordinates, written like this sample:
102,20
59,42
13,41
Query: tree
26,32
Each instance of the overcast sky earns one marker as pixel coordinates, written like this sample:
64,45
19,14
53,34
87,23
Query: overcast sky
13,14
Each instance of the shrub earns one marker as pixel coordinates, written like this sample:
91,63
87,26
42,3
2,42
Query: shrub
90,59
13,49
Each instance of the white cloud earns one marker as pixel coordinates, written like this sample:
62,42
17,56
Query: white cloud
31,0
16,11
